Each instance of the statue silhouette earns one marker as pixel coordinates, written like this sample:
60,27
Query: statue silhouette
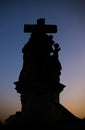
39,80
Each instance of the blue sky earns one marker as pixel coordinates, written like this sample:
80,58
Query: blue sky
69,16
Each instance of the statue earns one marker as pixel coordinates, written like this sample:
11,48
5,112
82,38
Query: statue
40,68
39,80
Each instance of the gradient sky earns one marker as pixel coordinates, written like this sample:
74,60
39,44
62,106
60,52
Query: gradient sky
69,16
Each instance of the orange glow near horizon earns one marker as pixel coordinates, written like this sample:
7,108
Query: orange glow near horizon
71,101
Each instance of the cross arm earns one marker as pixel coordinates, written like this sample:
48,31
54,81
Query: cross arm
40,28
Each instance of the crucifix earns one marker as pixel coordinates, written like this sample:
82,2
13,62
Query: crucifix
40,27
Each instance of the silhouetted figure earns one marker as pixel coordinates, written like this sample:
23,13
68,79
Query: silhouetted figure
39,80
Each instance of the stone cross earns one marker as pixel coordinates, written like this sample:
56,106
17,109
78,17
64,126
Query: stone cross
40,27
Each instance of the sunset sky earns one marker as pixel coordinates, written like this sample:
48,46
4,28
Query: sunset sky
69,16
